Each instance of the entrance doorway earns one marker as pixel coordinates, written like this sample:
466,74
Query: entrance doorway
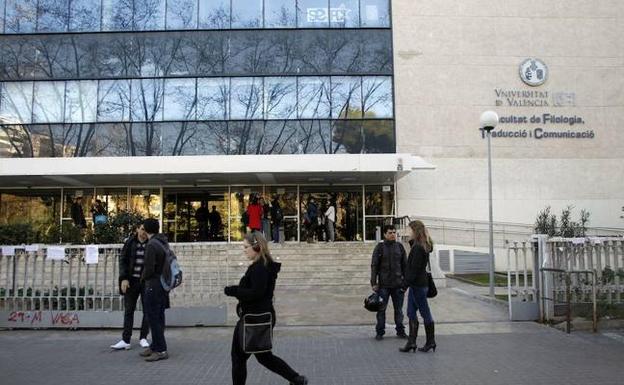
196,214
349,212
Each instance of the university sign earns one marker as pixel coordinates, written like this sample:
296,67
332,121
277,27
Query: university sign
572,132
323,15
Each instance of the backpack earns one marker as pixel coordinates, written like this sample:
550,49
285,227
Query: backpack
278,215
171,276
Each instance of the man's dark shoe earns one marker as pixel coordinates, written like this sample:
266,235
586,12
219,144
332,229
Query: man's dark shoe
155,356
300,380
379,337
402,335
146,353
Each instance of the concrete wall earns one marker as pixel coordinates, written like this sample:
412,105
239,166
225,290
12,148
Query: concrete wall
450,58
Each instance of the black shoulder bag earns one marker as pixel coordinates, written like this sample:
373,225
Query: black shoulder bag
432,290
257,333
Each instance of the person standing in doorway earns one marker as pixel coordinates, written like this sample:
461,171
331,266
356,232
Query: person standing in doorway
201,216
155,298
130,270
388,279
416,278
311,219
77,213
277,216
215,224
266,218
254,214
255,295
330,222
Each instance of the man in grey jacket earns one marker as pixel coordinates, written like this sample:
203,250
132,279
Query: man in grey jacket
388,280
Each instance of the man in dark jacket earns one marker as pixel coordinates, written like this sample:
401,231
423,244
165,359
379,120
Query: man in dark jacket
202,216
388,280
77,213
155,298
130,270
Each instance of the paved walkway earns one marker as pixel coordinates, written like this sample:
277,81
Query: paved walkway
471,353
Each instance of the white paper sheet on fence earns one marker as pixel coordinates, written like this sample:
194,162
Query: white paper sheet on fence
91,254
578,241
8,251
56,253
31,248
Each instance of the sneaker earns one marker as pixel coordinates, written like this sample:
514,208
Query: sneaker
155,356
379,337
146,353
402,335
144,343
121,345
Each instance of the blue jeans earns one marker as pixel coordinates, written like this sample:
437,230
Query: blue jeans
276,231
397,295
417,301
154,304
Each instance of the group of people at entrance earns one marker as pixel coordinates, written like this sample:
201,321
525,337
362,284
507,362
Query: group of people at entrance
260,216
209,223
320,222
393,273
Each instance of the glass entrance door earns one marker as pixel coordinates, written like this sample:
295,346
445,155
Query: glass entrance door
349,212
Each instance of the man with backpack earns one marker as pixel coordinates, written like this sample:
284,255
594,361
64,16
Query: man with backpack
155,298
388,280
277,216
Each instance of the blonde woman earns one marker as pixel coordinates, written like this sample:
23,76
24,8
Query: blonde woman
416,279
255,295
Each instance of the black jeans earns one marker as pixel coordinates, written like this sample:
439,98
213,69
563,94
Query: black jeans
154,303
130,300
268,360
398,295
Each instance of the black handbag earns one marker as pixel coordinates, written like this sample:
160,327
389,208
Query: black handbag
257,333
432,289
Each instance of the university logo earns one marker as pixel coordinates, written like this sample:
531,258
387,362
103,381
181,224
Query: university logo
322,15
533,72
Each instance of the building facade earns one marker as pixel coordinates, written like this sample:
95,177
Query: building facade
158,105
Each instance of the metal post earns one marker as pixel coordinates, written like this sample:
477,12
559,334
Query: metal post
492,264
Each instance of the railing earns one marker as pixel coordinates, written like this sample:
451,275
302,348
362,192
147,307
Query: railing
33,286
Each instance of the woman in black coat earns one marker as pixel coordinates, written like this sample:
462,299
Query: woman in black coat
255,295
416,279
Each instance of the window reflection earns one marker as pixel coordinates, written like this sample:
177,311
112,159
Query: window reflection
246,13
146,99
149,15
53,15
280,14
81,101
116,15
313,13
246,98
344,13
314,94
146,202
21,16
16,103
214,14
374,13
280,97
213,97
346,97
40,207
377,96
180,101
182,14
84,15
48,102
113,100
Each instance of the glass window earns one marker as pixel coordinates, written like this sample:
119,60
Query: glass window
280,14
65,140
16,141
214,14
191,138
113,100
246,98
182,14
146,100
48,102
246,13
21,16
40,207
112,139
53,16
379,200
2,16
144,139
312,137
376,48
116,15
213,97
313,51
84,15
377,96
313,13
378,137
149,15
347,137
113,200
146,202
375,13
280,97
245,137
346,97
16,104
80,197
180,101
344,14
313,95
81,101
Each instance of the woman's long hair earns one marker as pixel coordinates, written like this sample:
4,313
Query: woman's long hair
421,235
256,238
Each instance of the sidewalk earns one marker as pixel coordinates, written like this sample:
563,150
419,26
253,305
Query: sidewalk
475,353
